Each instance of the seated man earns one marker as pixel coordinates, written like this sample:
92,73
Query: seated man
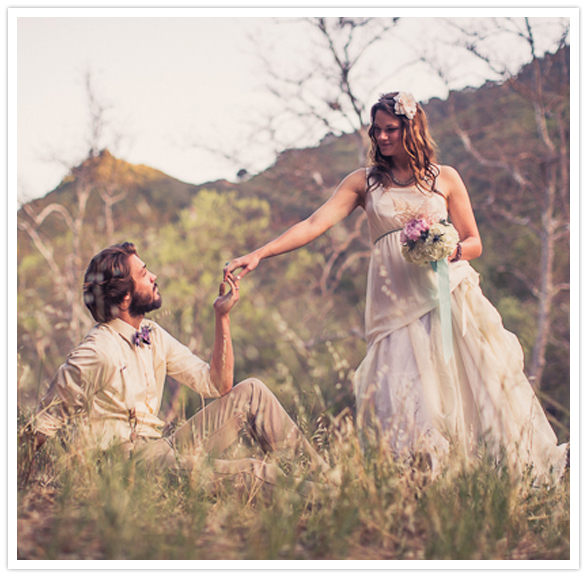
114,380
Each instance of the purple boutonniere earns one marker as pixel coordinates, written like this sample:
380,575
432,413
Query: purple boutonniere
142,335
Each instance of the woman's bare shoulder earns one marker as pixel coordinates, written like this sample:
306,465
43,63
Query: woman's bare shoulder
357,181
448,172
359,175
449,179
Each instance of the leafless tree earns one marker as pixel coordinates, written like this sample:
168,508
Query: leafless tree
550,161
329,95
66,269
330,91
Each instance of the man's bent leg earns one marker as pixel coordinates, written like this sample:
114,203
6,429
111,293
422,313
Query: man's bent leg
157,453
249,405
246,474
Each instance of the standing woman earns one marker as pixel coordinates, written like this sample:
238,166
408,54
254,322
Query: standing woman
431,381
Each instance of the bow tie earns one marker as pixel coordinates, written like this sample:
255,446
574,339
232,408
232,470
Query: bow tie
142,335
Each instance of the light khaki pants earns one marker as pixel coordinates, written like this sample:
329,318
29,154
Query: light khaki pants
250,406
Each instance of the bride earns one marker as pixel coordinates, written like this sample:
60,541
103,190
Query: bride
430,383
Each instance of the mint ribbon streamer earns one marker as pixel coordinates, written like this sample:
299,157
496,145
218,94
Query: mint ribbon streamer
441,269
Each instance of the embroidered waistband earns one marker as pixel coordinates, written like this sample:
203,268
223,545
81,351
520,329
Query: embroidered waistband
387,234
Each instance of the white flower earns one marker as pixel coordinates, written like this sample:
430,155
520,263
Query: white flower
440,241
405,104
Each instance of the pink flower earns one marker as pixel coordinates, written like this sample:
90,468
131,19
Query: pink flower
414,230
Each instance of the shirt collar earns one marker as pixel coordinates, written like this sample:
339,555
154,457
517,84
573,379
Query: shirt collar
125,329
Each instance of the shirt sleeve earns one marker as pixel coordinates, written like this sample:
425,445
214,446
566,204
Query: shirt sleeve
185,367
72,388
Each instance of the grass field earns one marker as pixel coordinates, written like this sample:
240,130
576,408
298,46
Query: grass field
76,504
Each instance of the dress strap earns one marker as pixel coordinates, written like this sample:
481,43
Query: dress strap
386,234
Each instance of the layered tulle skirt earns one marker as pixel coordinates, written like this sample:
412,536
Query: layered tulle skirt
413,401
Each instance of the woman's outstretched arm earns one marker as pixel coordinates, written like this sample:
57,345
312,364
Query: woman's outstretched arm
348,195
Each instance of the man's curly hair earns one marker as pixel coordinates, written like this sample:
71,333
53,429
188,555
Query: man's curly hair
108,280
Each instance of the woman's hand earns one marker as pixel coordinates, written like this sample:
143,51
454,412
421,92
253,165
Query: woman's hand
225,302
246,263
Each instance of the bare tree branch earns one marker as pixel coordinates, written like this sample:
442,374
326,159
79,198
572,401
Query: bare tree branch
38,219
509,216
45,250
514,271
469,147
550,227
560,287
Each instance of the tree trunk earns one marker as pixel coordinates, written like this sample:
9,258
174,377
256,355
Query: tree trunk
546,292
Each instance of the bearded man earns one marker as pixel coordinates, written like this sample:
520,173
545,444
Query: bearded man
113,381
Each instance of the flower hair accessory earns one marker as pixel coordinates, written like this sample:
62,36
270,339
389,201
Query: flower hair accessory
405,104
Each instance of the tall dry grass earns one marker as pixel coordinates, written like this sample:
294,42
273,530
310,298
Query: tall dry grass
80,504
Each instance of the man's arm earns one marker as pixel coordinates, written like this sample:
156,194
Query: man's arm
222,362
65,396
74,383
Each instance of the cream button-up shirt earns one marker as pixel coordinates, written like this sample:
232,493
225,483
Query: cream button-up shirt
107,376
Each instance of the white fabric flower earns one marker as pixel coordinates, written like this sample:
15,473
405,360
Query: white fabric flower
405,104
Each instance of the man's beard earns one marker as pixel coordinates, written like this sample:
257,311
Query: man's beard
140,304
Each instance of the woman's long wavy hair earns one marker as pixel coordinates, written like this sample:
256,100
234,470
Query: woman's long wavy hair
417,141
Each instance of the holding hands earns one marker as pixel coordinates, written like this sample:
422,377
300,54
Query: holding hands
225,302
246,263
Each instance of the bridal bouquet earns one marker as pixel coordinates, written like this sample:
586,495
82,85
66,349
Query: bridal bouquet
424,241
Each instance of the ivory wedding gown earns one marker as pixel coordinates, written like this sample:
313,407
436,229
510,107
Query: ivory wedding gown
404,388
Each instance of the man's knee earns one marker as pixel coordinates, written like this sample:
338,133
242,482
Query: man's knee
252,386
156,453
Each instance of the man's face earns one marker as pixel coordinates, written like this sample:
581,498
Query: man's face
146,295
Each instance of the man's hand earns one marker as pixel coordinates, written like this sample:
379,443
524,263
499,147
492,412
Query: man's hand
225,302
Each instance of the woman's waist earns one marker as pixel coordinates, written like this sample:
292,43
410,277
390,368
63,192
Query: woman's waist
388,266
392,304
380,230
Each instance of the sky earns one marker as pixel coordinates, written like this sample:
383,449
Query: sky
177,84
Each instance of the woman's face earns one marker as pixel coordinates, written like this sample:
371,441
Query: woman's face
388,131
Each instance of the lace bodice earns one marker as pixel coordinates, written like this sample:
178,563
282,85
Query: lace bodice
391,208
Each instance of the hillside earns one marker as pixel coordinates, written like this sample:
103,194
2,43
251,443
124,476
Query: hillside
300,323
